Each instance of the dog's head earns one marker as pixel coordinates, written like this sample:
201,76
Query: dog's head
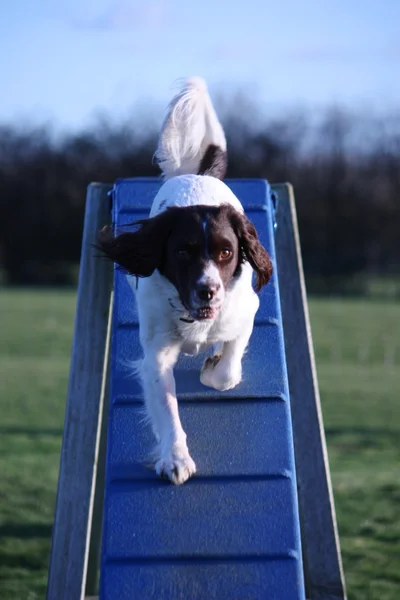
199,249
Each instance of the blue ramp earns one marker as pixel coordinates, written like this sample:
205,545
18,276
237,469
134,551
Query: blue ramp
233,530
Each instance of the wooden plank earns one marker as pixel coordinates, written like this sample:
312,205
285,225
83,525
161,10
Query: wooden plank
321,549
78,463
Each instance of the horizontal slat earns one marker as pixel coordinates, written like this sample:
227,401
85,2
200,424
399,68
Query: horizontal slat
138,194
211,427
238,580
263,368
201,518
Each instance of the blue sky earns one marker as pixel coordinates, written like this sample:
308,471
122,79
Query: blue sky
68,60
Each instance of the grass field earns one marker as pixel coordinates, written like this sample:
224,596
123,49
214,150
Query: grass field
357,345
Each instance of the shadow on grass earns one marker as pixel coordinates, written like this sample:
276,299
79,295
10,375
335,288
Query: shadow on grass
364,436
32,431
31,561
25,532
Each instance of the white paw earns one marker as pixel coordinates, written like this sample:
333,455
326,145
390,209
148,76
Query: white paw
218,375
177,465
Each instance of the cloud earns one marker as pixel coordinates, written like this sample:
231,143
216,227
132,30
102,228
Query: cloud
126,16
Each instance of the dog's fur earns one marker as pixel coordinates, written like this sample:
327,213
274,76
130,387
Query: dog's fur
195,257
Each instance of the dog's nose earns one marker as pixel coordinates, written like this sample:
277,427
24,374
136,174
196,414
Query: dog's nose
207,292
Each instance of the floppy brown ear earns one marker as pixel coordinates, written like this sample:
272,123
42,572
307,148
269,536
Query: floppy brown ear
252,249
139,252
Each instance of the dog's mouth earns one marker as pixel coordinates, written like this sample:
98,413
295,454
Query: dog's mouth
204,313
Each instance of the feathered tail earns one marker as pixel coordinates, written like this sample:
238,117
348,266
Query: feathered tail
192,139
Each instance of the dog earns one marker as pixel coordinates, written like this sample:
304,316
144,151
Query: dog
192,261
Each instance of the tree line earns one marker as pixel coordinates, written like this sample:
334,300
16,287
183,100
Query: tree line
345,168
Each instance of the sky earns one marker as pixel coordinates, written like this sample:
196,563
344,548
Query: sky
67,61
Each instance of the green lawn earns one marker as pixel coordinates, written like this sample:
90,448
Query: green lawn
35,342
357,346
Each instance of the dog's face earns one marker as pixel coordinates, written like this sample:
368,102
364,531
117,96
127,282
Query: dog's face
202,256
199,249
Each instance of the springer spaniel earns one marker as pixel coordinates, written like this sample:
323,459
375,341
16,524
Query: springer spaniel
195,257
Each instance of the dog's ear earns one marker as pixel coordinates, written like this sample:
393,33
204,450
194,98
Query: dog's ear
139,252
252,249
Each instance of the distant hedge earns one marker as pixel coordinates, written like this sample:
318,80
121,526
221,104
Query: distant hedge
345,169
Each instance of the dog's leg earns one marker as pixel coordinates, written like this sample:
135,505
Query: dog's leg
158,381
224,371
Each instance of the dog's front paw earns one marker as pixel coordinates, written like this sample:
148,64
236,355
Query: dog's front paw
176,464
218,375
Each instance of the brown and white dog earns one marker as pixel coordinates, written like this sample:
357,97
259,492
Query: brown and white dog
195,257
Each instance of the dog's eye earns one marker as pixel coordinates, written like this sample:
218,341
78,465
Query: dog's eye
182,253
225,253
